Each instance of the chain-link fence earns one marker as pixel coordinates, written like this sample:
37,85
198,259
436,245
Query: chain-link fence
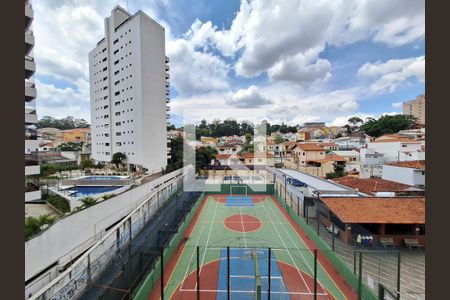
115,265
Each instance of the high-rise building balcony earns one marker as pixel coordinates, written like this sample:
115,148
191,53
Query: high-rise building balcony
30,66
167,76
168,123
29,14
167,68
167,60
30,116
29,41
167,92
167,100
167,108
30,91
168,116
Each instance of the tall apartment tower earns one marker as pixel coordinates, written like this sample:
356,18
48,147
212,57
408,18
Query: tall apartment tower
32,191
129,88
416,108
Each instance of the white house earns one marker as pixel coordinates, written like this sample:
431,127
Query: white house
406,172
352,159
370,157
392,147
349,143
228,148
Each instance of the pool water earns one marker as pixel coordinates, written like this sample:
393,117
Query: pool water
84,191
101,178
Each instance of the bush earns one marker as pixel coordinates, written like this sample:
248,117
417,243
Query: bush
107,196
34,225
88,201
59,203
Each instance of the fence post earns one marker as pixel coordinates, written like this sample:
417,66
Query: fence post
332,237
360,276
315,274
398,275
298,206
228,273
318,218
162,272
198,272
268,273
129,257
354,261
380,292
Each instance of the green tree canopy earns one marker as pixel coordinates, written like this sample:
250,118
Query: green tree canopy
118,158
387,124
63,123
70,146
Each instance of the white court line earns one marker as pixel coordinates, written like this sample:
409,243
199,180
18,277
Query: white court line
193,251
243,228
252,291
284,244
301,253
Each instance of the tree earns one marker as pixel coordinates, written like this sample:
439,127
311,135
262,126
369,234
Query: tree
63,123
86,164
203,156
387,124
70,146
118,158
354,121
339,171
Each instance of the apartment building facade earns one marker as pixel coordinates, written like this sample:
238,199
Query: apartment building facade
32,191
416,108
129,88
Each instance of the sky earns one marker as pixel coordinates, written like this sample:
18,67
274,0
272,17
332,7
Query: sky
299,60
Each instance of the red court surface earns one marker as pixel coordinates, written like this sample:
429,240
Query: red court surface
242,223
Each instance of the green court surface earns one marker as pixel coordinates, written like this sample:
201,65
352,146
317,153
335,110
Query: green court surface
248,228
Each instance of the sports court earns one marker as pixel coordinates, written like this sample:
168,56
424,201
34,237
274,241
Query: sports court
235,243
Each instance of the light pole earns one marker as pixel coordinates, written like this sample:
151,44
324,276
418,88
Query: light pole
317,193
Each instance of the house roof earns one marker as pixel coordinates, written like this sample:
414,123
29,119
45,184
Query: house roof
329,157
390,138
77,129
379,210
413,164
327,144
257,155
222,156
346,153
371,185
309,147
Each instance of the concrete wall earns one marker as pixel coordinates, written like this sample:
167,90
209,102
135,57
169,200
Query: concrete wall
391,150
70,236
403,175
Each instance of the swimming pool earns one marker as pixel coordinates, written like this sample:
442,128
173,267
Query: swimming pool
84,191
101,178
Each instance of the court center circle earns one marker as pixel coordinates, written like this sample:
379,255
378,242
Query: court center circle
242,223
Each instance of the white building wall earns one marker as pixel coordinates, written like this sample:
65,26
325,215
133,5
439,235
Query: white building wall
403,175
391,150
370,156
128,91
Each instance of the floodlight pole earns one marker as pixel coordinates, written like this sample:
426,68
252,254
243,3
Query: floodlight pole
315,274
332,237
228,273
268,275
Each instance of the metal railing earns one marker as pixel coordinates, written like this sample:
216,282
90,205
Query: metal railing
73,282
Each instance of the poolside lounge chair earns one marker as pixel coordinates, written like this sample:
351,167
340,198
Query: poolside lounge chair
412,243
387,242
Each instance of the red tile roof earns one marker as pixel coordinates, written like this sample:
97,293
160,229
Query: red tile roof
309,147
257,155
413,164
371,185
330,157
379,210
222,156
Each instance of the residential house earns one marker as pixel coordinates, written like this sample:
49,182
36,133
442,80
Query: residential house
304,153
352,158
392,146
406,172
209,141
348,143
229,148
377,217
77,135
228,159
49,133
259,159
278,150
379,187
329,146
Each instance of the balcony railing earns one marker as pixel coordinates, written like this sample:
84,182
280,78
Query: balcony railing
29,15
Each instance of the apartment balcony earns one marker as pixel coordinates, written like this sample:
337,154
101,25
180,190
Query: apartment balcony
32,192
29,14
167,108
167,100
29,41
32,170
168,123
30,66
167,92
167,76
167,60
31,157
30,116
167,84
167,68
30,91
168,116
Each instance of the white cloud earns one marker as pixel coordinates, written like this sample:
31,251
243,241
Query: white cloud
397,104
247,98
388,76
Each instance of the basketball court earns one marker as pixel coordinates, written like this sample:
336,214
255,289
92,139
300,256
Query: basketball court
241,246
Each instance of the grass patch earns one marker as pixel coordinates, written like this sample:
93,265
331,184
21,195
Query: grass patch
59,203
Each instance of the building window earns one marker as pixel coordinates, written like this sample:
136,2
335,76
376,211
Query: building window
116,62
116,72
115,41
116,51
106,144
117,93
117,103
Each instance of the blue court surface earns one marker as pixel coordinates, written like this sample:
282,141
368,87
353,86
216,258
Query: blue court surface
239,201
242,275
